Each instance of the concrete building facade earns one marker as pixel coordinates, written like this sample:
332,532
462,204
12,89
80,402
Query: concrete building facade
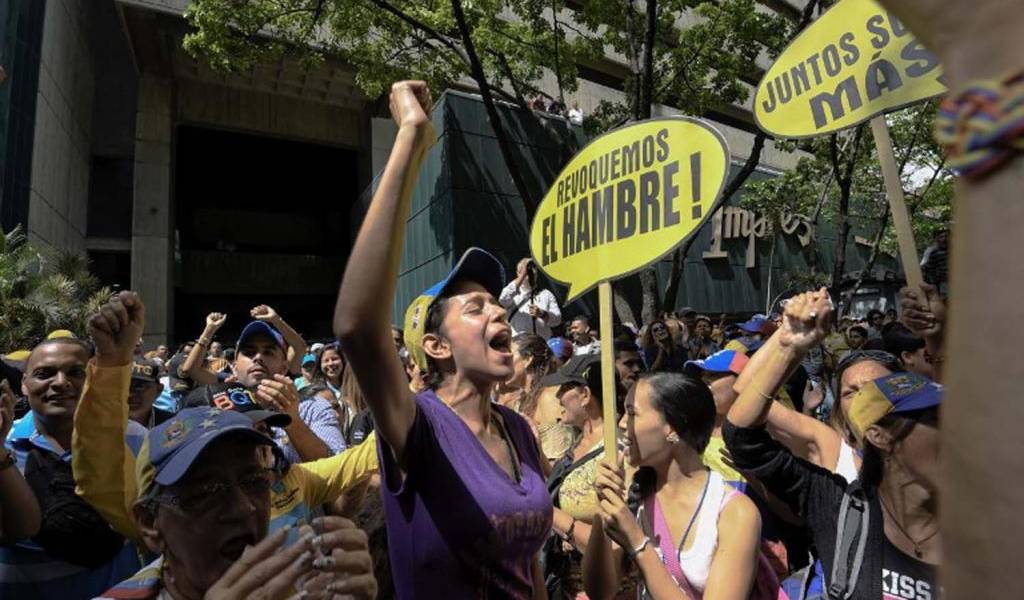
200,190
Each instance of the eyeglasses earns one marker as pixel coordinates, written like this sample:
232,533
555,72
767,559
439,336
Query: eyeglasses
213,496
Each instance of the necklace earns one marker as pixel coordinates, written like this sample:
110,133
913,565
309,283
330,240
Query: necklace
895,521
513,457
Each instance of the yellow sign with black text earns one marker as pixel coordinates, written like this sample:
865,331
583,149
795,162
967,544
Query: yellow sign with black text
627,199
854,62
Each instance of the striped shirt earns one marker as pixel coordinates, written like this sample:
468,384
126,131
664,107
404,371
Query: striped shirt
26,570
321,419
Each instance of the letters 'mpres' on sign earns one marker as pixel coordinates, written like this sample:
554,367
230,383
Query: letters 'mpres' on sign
854,62
627,199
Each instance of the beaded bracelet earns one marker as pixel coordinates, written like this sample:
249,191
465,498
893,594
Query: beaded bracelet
982,126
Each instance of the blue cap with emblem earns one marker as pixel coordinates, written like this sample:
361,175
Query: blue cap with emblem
173,446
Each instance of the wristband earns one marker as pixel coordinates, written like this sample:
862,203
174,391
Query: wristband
635,552
569,532
982,125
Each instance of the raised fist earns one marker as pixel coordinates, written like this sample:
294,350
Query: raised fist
215,320
116,329
264,313
410,104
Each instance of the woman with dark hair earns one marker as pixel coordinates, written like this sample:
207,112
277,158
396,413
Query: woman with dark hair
708,533
572,477
462,480
329,369
661,352
892,505
533,360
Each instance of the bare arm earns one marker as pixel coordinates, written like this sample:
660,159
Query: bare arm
804,325
580,531
602,564
19,511
362,316
296,345
193,366
280,394
735,561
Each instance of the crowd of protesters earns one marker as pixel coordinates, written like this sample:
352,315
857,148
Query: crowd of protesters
791,455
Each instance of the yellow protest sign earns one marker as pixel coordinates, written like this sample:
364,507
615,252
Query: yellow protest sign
628,198
854,62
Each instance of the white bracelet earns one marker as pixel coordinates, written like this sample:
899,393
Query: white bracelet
632,554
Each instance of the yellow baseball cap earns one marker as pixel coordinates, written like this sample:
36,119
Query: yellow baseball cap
476,265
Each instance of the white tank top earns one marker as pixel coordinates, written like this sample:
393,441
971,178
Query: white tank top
846,467
696,561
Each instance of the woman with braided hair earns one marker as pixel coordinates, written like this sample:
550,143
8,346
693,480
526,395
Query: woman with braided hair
708,532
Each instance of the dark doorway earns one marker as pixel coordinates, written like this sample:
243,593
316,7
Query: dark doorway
259,221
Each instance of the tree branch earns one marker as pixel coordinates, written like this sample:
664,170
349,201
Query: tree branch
500,135
414,22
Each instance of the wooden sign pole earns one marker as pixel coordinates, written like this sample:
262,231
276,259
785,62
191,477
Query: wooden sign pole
611,421
897,205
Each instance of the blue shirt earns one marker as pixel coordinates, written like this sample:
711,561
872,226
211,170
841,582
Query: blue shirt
321,419
26,570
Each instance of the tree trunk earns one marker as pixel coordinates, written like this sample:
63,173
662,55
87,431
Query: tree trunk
645,91
622,308
844,233
675,276
647,83
508,153
845,182
649,285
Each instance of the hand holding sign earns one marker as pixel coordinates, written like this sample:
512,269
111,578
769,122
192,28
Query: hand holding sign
627,199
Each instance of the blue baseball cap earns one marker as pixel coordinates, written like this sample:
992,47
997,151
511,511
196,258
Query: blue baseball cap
558,345
476,265
724,361
755,324
309,358
261,328
172,447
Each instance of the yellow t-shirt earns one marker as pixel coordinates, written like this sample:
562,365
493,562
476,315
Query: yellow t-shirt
104,466
308,485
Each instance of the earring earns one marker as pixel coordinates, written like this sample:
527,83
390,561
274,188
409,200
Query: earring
673,438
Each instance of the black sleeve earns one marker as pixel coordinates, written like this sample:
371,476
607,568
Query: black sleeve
810,491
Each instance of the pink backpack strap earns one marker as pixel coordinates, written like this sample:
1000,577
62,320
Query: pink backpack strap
669,552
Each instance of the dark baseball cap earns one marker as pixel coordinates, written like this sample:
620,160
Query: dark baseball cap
171,448
261,327
146,370
584,369
235,398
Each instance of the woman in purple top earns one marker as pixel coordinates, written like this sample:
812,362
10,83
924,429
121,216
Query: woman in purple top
465,502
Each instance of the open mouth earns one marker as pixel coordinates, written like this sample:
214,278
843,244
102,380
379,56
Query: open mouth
502,341
232,549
